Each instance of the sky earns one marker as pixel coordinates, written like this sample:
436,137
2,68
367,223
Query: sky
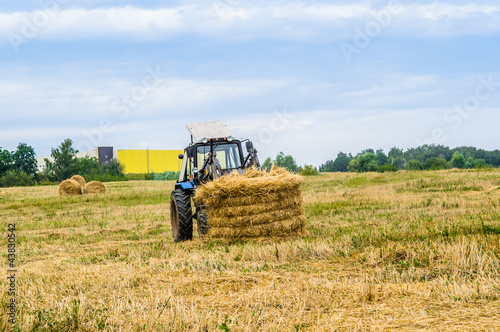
309,78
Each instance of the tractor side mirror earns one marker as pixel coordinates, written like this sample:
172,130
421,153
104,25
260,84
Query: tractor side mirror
249,146
181,156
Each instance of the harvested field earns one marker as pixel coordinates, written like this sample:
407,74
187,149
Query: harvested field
393,251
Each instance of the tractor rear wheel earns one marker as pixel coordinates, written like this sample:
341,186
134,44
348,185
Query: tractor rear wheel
181,215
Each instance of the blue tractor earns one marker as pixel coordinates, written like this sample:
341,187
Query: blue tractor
213,152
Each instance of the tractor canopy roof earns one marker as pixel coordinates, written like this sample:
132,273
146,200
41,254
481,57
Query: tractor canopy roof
201,131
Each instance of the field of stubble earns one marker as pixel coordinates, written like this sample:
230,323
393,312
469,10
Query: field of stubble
399,251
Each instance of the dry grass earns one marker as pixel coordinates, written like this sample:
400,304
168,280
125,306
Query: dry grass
404,251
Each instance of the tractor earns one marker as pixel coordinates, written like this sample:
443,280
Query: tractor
212,153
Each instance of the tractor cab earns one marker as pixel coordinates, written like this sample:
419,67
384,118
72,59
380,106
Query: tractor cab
212,153
228,155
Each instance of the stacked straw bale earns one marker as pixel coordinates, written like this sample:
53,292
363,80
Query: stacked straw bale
70,187
254,205
95,187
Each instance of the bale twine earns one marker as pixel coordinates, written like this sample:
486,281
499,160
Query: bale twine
254,205
70,187
95,187
80,180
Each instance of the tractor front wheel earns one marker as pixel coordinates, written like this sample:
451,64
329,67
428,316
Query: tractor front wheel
202,222
181,215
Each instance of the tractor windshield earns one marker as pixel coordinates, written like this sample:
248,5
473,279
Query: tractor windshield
228,155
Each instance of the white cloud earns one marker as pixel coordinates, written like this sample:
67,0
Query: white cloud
398,109
293,20
317,136
88,100
67,101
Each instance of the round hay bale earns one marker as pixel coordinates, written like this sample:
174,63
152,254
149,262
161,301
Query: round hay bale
95,187
70,187
80,180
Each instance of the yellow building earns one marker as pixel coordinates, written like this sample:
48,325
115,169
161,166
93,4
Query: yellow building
149,161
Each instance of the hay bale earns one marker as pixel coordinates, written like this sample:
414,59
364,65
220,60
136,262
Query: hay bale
80,180
70,187
95,187
254,205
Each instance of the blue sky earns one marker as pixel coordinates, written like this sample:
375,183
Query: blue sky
309,78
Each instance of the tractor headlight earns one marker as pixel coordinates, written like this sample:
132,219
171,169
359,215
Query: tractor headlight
204,140
230,138
195,170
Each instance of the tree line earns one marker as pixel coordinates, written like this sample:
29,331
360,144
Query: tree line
425,157
19,168
288,162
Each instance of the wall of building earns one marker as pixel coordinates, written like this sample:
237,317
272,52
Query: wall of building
149,161
41,160
136,161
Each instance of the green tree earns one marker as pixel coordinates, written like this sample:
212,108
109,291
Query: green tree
365,162
367,150
309,170
414,165
382,159
327,166
480,163
6,161
268,163
424,152
458,160
287,162
341,162
387,168
16,178
65,164
290,164
25,159
114,168
475,163
396,157
280,160
88,167
435,163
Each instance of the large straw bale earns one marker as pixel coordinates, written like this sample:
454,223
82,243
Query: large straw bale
80,180
254,205
95,187
70,187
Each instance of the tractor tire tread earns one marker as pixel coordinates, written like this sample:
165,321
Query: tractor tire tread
185,215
